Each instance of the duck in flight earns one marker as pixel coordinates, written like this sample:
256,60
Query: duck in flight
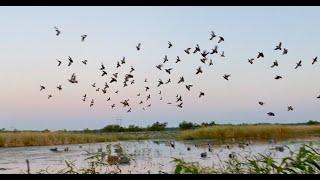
215,50
271,114
179,98
210,62
93,85
113,80
204,53
138,46
159,66
180,105
160,82
125,103
178,59
278,77
123,60
83,37
59,87
147,88
260,55
285,51
298,64
212,35
187,50
168,70
113,105
59,62
42,87
132,69
170,44
275,63
49,96
84,97
148,97
226,76
109,99
73,79
92,102
251,60
222,54
118,64
181,80
84,62
203,60
70,61
197,49
129,110
220,39
278,47
261,103
201,94
102,67
57,31
189,86
104,73
199,70
168,81
165,59
290,108
314,60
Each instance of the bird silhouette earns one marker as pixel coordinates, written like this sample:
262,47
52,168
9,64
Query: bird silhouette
275,63
215,50
123,60
203,60
178,59
271,114
125,103
42,87
70,61
104,73
278,47
285,51
168,70
260,55
226,76
118,64
143,108
204,53
318,97
147,88
84,62
132,69
180,105
187,50
117,91
210,62
59,62
109,99
58,32
212,35
220,39
104,91
125,84
73,79
290,108
113,105
189,86
84,97
298,64
93,85
113,80
261,103
102,67
179,98
169,103
138,94
181,80
314,60
201,94
149,105
148,97
83,37
160,82
165,59
59,87
170,44
97,89
106,85
199,70
197,49
251,60
132,82
222,54
159,66
92,103
138,47
115,75
278,77
159,92
129,110
140,102
49,96
168,81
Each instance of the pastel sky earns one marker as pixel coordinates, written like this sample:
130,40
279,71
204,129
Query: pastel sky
29,49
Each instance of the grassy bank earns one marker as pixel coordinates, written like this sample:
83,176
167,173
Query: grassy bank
20,139
253,132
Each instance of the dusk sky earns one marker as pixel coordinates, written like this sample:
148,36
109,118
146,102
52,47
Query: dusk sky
29,49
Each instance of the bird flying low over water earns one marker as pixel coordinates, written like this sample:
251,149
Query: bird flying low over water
59,62
212,35
298,64
42,87
170,44
226,76
83,37
278,47
271,114
290,108
57,31
314,60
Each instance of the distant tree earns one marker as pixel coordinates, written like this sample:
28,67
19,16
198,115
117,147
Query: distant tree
212,123
187,125
311,122
157,126
3,129
112,128
46,130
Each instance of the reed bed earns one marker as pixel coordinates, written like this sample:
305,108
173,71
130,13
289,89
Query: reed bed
251,132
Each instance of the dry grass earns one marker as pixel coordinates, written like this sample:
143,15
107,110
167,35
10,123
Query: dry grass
253,132
20,139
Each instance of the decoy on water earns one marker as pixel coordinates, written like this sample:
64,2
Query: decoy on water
168,70
260,55
57,31
178,59
201,94
197,49
165,59
290,108
59,87
189,86
285,51
220,39
199,70
278,47
42,87
226,76
84,62
279,148
83,37
232,155
54,149
278,77
271,114
215,50
298,64
59,62
73,79
159,66
275,63
187,50
170,44
261,103
212,35
138,46
203,155
251,60
70,61
314,60
172,144
181,80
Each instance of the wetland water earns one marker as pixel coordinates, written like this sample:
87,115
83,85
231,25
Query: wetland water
148,156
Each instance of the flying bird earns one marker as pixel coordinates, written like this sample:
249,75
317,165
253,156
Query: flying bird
59,62
129,110
220,39
102,67
84,97
187,50
204,53
261,103
113,105
203,60
179,98
199,70
271,114
118,64
212,35
201,94
148,97
115,75
70,61
113,80
178,59
210,62
84,62
314,60
215,50
168,70
147,88
189,86
140,102
181,80
59,87
278,77
251,60
42,87
298,64
222,54
278,47
104,91
123,60
57,31
197,49
125,103
180,105
104,73
73,79
168,81
93,85
275,63
83,37
132,69
260,55
160,82
285,51
138,47
92,102
226,76
290,108
165,59
170,44
159,66
49,96
108,99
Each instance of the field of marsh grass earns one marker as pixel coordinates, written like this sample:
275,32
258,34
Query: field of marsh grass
251,132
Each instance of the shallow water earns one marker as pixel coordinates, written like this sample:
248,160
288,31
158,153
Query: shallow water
149,156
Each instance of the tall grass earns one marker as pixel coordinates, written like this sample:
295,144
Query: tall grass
253,132
20,139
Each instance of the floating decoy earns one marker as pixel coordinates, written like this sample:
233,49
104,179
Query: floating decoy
54,149
203,155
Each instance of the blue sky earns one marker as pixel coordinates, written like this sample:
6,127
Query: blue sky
29,49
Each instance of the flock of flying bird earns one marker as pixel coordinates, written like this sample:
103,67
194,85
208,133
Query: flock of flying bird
129,77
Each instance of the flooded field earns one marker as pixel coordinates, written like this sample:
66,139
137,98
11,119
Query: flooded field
146,156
